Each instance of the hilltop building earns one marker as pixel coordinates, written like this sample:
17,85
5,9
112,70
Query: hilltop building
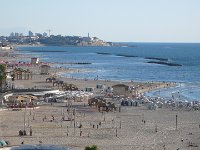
38,35
45,34
30,33
12,34
94,41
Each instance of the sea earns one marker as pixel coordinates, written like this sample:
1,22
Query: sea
131,63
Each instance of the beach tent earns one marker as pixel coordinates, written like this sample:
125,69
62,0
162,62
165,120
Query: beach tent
41,147
129,102
3,143
99,86
152,106
159,104
135,103
89,89
123,103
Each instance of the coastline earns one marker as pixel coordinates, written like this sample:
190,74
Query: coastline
132,128
58,71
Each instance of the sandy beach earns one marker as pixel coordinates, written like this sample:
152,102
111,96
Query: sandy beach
118,130
133,128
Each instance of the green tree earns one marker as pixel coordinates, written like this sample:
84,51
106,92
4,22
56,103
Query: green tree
93,147
2,74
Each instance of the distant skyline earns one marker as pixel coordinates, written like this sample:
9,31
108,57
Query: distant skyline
110,20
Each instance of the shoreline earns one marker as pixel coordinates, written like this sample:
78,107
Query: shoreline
133,127
60,71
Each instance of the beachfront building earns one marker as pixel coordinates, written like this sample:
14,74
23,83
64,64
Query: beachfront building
122,90
4,54
20,74
45,69
34,60
5,47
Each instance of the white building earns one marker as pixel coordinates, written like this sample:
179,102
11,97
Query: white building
122,89
44,69
34,60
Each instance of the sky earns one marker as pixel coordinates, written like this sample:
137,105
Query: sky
110,20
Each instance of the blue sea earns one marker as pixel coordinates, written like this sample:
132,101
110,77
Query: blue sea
126,63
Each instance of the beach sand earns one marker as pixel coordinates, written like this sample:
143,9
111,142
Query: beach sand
133,133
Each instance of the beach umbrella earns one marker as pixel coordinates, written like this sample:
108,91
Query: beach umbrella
33,97
101,104
25,98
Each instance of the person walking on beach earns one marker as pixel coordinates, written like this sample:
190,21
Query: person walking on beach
81,133
164,147
31,131
144,122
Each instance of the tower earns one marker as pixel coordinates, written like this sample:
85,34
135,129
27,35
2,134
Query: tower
49,32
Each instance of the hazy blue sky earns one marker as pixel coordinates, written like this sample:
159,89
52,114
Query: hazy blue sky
111,20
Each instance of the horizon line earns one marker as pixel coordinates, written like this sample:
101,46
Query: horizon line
161,42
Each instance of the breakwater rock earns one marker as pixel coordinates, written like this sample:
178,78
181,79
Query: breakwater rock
164,63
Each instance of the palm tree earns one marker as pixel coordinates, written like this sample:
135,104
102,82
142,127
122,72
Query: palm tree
93,147
2,74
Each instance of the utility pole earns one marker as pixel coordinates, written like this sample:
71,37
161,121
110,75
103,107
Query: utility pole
176,121
74,120
30,110
24,132
116,132
67,130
